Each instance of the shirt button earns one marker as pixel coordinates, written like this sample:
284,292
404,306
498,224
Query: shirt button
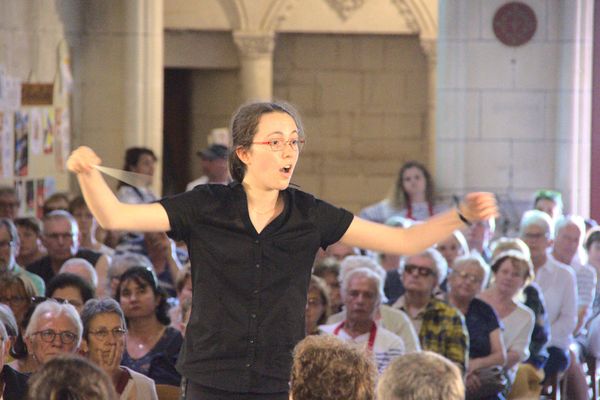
251,341
255,291
257,241
257,265
253,316
247,365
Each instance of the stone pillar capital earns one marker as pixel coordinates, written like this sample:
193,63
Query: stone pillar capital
254,44
429,47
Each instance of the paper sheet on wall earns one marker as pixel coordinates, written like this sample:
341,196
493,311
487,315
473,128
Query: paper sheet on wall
49,129
37,135
7,141
63,137
12,99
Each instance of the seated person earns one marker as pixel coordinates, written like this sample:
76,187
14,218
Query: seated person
421,376
486,347
14,384
441,327
16,291
362,292
87,227
10,246
317,305
103,343
61,239
121,263
329,270
152,347
558,285
391,319
57,201
54,329
29,230
327,368
69,376
70,288
9,202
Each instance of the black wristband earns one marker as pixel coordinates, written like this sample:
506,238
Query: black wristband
463,218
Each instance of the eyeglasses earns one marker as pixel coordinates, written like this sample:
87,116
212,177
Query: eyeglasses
468,277
279,144
48,336
422,271
5,244
102,334
14,300
56,236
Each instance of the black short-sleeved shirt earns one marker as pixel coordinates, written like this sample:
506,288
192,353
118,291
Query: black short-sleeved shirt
249,289
481,320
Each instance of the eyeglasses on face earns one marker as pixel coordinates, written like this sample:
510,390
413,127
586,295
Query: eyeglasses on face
468,277
5,244
279,144
48,335
14,300
422,271
102,334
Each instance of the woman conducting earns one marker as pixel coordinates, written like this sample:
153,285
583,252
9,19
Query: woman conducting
252,244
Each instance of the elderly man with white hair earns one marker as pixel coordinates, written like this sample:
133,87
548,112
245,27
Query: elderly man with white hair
558,285
362,293
391,319
441,327
54,328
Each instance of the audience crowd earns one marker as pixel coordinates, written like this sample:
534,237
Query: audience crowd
477,317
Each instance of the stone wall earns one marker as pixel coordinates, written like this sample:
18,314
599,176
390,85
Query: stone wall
363,99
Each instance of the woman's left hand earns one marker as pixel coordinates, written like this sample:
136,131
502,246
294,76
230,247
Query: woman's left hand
479,206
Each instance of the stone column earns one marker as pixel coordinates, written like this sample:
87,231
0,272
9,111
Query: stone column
429,47
144,78
256,60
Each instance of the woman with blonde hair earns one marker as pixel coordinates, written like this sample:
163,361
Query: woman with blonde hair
512,271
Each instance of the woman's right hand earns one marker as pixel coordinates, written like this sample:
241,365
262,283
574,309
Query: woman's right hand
82,159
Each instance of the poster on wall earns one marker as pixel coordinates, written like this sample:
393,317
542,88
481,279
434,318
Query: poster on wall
36,131
6,144
63,141
21,139
48,127
12,93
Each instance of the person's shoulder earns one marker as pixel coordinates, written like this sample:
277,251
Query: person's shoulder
482,305
523,311
388,311
444,308
137,377
39,265
329,328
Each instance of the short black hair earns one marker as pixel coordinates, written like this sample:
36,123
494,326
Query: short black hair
67,279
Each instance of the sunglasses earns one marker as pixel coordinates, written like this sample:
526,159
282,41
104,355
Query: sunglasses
422,271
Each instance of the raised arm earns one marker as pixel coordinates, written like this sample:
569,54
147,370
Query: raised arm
378,237
108,210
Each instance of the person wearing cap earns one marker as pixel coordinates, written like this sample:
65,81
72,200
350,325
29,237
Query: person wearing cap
214,165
